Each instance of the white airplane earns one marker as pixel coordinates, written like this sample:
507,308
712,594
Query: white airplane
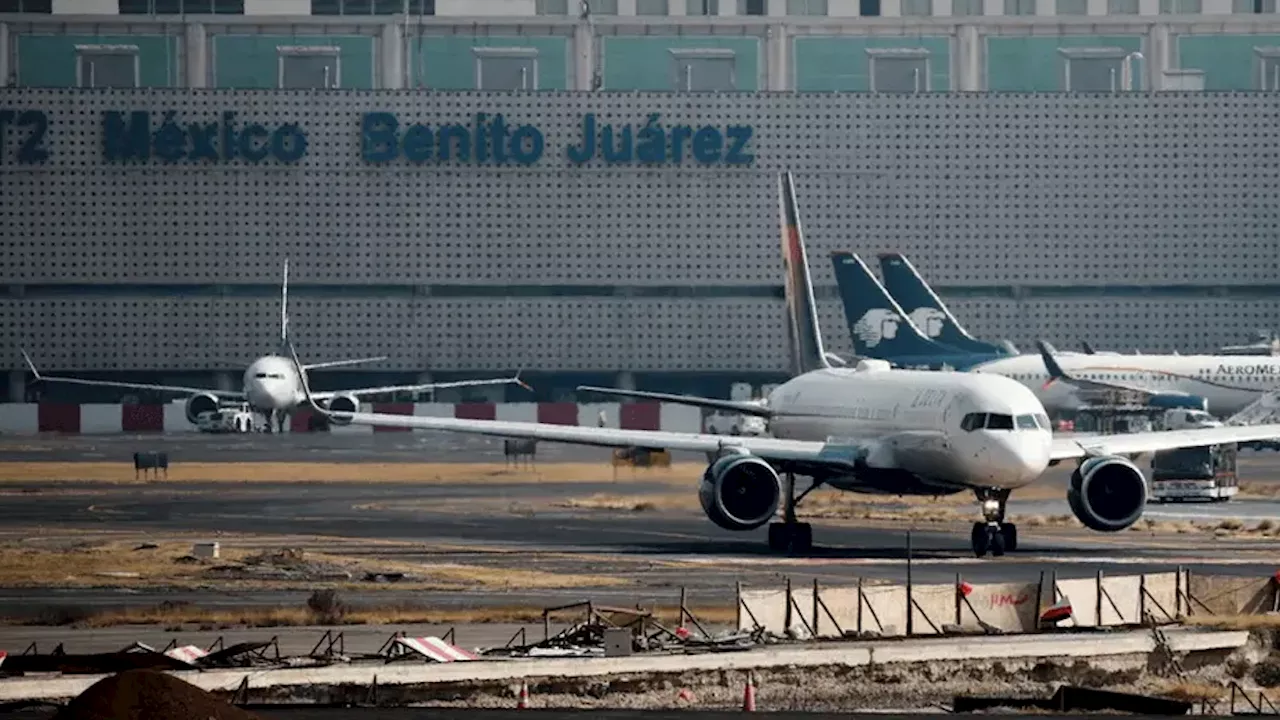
272,386
872,429
1222,384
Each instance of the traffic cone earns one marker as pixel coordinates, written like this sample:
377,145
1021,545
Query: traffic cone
523,702
749,694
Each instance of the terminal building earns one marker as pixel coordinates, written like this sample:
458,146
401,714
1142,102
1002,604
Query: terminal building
1059,169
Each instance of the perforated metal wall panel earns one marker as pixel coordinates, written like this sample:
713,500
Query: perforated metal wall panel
978,189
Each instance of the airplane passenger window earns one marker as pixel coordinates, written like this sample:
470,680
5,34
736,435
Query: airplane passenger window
999,422
972,421
1026,422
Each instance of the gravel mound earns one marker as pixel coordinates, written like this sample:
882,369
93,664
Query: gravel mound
148,695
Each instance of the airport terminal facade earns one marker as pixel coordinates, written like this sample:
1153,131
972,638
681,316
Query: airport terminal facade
427,178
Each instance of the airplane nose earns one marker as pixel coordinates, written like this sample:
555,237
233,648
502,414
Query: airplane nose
1021,459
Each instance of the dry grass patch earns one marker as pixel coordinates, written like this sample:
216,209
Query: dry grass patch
631,503
290,472
1194,692
134,564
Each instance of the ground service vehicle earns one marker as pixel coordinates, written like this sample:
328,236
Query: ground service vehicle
1197,473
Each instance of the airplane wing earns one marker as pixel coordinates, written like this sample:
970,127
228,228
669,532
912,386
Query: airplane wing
842,453
745,407
1056,374
1065,448
238,394
329,394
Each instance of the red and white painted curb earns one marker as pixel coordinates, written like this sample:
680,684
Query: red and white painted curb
97,419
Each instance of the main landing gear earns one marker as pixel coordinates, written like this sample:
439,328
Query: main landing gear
791,535
994,535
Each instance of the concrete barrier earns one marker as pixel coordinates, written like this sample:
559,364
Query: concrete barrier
848,654
1099,601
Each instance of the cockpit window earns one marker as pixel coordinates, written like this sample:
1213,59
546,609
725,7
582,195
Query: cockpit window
999,422
268,376
1027,422
261,376
973,421
1044,421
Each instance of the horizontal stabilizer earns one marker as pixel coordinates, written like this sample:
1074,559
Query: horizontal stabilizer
739,406
343,363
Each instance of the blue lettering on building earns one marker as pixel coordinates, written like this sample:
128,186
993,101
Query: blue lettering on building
490,139
138,136
30,128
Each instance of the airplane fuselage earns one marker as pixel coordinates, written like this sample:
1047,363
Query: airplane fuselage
272,384
1228,383
916,421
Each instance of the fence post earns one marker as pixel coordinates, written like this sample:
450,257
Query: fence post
737,606
859,606
910,612
815,608
958,602
786,618
1097,618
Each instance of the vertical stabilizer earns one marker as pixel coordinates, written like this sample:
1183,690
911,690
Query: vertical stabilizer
879,326
925,308
284,307
804,335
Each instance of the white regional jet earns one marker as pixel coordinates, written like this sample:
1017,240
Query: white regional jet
271,386
874,429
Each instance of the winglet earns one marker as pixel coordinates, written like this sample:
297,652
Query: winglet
306,385
30,365
1055,370
1088,349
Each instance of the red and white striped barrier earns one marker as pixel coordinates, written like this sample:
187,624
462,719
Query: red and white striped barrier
189,654
96,419
436,649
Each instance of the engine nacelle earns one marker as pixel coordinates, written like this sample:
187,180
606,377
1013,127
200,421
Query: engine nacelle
1175,401
740,492
1107,494
342,403
197,404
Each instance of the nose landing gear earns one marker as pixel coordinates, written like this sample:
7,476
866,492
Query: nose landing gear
994,535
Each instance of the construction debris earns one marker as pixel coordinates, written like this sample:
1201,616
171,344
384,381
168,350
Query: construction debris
148,695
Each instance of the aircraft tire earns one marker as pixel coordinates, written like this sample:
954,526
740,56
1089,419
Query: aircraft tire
1010,533
779,536
801,538
980,539
996,541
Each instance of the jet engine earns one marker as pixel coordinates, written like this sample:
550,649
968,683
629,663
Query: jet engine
197,404
740,492
1176,401
1107,494
342,403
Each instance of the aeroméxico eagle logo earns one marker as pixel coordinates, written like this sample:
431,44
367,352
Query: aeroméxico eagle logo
876,326
929,320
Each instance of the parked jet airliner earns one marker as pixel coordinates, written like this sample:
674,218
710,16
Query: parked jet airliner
271,386
872,429
1221,384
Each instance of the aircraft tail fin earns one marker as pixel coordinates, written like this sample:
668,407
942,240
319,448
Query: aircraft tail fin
284,307
804,334
879,326
925,308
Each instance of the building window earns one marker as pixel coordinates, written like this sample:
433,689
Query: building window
902,70
1122,7
1019,7
752,7
1071,7
107,66
968,7
869,8
807,7
1180,7
1253,7
601,7
506,68
652,7
915,8
1096,70
702,7
181,7
373,7
1267,68
551,7
309,67
704,70
26,6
